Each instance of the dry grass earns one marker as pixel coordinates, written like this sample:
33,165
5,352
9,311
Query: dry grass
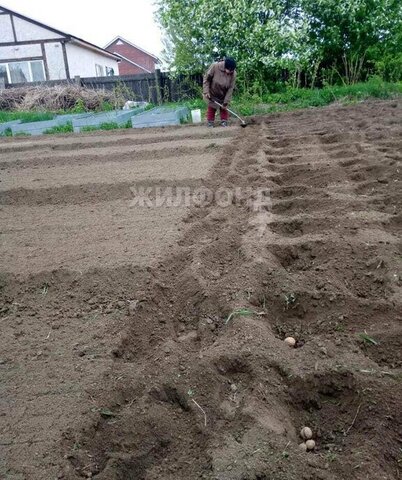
59,97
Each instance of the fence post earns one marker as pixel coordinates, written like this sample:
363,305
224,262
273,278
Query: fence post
2,83
77,80
158,85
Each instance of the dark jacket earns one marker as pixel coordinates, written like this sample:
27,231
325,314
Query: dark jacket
218,84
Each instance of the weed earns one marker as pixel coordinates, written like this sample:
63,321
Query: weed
79,106
285,453
109,126
263,302
7,133
331,456
25,117
106,126
106,107
45,288
290,299
240,311
22,134
339,327
67,128
104,411
367,339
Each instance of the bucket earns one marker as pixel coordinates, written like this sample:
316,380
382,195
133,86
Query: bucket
196,116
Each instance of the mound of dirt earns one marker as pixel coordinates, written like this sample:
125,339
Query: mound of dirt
191,378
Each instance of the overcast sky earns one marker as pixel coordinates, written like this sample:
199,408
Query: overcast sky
96,22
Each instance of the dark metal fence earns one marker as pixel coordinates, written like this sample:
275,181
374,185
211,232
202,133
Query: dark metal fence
156,87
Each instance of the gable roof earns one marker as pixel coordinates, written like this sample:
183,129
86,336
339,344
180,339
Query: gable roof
133,63
133,45
68,37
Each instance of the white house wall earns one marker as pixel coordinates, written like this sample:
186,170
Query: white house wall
55,61
6,29
82,61
27,31
16,52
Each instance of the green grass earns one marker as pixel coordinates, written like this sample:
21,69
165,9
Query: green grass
7,133
367,339
106,126
295,98
22,134
25,117
67,128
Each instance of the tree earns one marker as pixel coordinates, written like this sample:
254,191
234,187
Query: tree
269,38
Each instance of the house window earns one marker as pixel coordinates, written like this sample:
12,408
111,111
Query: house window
37,71
99,70
23,72
109,71
19,72
3,73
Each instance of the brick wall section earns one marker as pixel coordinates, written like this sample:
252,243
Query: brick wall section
135,55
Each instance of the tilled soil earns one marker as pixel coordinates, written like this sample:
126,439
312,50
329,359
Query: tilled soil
124,360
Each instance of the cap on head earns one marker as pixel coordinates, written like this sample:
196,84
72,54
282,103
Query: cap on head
230,64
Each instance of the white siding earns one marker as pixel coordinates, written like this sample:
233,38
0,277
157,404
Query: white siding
27,31
20,51
6,29
82,61
55,61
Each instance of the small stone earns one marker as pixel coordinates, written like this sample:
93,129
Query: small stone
132,306
166,349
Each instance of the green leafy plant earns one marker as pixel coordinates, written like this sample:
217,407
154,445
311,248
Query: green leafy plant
290,299
67,128
367,339
79,106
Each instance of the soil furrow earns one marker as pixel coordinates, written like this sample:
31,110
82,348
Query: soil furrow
154,362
